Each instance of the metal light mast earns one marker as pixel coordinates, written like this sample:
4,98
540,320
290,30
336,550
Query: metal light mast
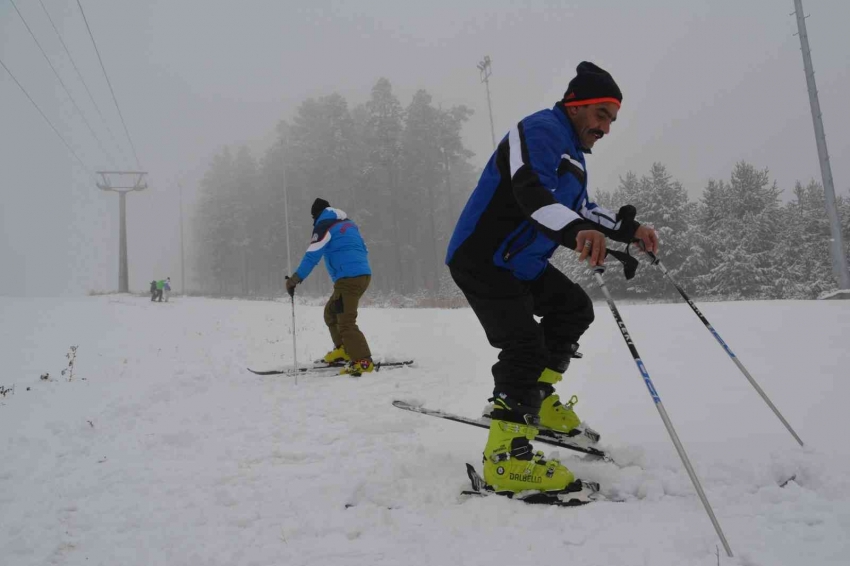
486,70
839,261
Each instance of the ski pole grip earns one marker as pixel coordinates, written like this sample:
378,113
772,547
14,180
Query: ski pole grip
630,264
627,212
642,247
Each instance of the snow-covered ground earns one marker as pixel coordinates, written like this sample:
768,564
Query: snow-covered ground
164,450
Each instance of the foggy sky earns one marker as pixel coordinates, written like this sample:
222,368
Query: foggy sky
705,84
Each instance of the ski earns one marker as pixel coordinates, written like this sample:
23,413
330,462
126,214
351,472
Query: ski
579,492
298,370
331,369
545,435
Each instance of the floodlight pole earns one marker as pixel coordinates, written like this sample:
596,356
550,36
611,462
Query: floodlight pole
486,70
182,247
839,261
138,185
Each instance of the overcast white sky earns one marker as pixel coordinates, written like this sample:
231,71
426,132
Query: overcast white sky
705,84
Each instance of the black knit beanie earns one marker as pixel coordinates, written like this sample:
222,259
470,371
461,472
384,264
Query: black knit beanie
318,206
592,85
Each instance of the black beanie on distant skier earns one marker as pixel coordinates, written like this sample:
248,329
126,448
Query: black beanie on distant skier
592,85
318,206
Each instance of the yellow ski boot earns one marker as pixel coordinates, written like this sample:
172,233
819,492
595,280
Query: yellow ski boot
562,418
356,368
336,355
510,465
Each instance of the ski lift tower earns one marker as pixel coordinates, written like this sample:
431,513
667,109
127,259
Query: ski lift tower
132,181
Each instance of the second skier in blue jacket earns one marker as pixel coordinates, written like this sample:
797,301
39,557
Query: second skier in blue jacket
337,238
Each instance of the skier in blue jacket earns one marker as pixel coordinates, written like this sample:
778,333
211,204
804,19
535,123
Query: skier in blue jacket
338,240
531,198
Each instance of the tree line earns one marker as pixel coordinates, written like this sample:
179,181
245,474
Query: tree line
738,241
403,174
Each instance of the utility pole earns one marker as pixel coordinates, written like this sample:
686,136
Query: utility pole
839,261
486,70
138,184
182,248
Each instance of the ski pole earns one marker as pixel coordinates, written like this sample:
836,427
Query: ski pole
657,263
294,350
597,273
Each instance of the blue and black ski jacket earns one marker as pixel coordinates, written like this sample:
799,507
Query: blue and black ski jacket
337,239
531,198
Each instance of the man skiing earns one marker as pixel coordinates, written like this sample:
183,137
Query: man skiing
338,239
531,198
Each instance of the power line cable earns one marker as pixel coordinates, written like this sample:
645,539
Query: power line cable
61,82
46,119
120,115
80,75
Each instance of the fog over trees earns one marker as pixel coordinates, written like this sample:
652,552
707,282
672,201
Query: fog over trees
401,171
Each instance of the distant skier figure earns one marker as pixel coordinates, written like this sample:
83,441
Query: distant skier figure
531,198
338,239
160,285
153,290
166,288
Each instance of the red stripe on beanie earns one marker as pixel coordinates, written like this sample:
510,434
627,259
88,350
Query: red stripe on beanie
593,101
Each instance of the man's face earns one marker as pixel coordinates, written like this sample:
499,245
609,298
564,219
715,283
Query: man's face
592,121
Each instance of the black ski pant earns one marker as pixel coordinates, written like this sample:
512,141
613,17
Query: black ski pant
506,307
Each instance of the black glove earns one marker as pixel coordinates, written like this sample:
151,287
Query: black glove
628,224
291,282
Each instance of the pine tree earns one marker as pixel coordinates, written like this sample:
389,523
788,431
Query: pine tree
806,259
431,147
383,138
662,203
243,196
741,223
211,223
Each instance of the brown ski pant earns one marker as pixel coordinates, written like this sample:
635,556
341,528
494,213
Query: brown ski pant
341,316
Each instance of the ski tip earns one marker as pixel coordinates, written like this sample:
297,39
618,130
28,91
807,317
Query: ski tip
264,372
409,405
393,364
476,480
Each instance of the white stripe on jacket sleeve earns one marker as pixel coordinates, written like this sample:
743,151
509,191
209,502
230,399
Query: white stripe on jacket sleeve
554,216
315,246
601,216
515,145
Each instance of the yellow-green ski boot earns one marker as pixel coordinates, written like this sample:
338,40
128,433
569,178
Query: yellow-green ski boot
562,418
336,356
356,368
511,465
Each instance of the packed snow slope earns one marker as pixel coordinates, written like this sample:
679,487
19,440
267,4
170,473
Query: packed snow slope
163,450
